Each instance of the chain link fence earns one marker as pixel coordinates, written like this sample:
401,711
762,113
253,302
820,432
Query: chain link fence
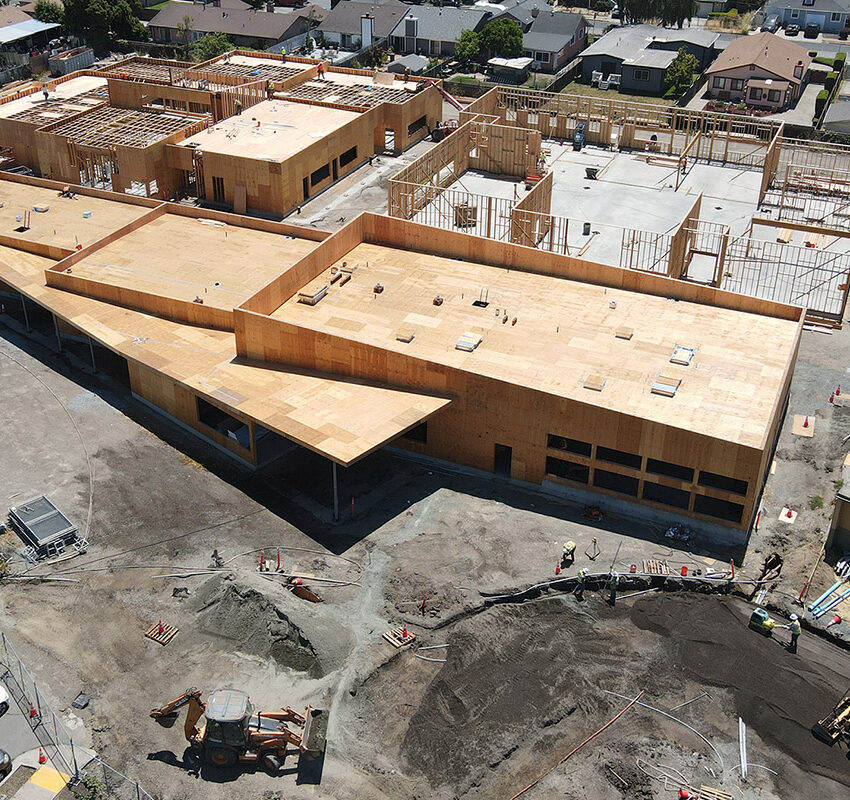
89,776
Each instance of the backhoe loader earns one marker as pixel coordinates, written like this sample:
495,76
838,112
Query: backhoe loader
231,731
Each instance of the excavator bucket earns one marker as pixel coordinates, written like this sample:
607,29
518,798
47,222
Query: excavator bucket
315,731
167,720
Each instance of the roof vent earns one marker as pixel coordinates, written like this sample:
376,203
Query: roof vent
405,335
624,332
595,383
682,355
311,296
468,342
666,386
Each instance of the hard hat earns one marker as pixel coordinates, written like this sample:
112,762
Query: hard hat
793,618
569,545
615,574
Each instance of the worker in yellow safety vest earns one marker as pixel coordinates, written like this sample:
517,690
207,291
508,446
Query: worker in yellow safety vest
796,629
580,581
569,554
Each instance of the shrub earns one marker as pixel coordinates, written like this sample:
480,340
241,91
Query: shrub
820,101
816,502
831,78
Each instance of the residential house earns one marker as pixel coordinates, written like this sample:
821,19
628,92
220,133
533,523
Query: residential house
432,31
523,12
553,40
763,70
351,25
180,22
641,54
831,15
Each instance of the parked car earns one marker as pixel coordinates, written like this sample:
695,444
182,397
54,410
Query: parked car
5,764
792,30
812,30
771,23
4,701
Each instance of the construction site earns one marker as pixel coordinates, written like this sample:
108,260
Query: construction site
525,483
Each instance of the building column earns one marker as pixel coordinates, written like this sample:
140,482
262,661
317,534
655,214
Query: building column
26,315
336,493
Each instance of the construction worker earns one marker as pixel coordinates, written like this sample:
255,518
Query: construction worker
320,71
580,582
569,554
612,587
283,55
796,630
237,104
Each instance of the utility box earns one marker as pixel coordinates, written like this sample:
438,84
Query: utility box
45,530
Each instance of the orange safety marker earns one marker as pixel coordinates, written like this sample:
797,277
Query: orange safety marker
278,559
558,568
838,391
404,633
832,398
33,712
160,628
834,621
806,421
42,759
262,559
790,512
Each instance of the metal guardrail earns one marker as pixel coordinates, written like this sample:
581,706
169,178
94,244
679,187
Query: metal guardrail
88,774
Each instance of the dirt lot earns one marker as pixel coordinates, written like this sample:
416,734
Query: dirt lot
520,686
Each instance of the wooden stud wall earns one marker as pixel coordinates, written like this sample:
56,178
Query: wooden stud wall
531,220
680,241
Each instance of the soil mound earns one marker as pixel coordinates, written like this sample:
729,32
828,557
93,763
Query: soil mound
257,625
779,694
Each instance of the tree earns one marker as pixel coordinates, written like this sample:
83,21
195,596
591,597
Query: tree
468,47
210,45
502,37
669,12
99,22
49,11
680,73
185,30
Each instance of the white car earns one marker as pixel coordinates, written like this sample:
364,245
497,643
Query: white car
4,701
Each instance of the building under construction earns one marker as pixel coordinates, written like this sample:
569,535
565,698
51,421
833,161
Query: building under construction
550,370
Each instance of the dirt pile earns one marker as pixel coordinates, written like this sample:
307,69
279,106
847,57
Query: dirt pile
777,693
256,625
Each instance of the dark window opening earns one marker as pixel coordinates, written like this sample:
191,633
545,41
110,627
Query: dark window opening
305,186
417,125
502,460
656,493
417,434
618,457
348,156
567,470
719,509
320,174
569,445
615,482
218,189
671,470
223,423
723,482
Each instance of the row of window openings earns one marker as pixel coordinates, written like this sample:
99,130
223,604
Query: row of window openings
755,93
652,492
635,461
835,16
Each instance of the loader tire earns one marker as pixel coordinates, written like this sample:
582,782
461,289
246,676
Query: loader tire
221,756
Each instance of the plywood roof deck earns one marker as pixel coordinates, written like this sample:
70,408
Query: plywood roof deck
565,331
107,126
331,416
183,258
67,98
63,225
284,130
256,68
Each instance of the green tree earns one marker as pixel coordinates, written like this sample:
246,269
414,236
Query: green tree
210,45
49,11
185,30
468,47
680,73
99,22
502,37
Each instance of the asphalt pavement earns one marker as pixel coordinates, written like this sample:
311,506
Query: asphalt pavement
16,736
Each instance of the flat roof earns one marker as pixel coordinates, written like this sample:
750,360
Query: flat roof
69,97
185,257
350,89
564,332
146,69
284,129
63,224
255,68
331,415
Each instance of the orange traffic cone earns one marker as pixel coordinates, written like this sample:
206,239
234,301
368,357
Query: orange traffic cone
838,391
33,712
2,308
404,633
806,421
42,759
160,628
834,621
832,398
790,512
558,568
